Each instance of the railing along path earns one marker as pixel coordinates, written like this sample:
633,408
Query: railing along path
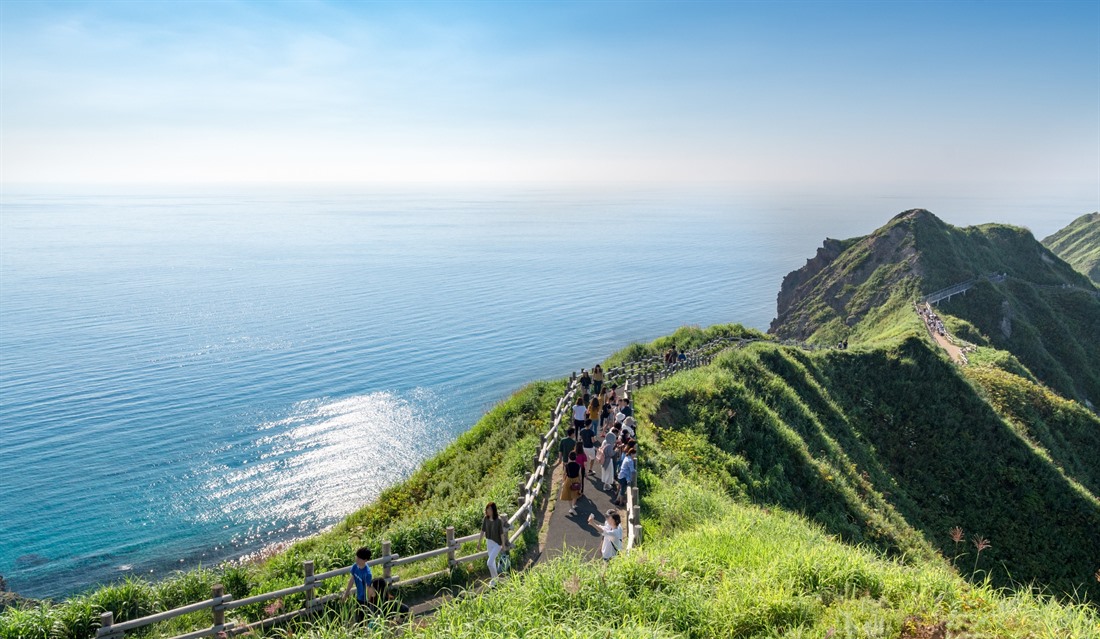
631,375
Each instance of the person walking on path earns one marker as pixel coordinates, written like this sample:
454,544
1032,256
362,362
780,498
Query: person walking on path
580,413
566,446
626,475
597,379
582,460
607,464
588,445
626,409
585,381
612,532
386,605
593,419
571,483
492,531
362,581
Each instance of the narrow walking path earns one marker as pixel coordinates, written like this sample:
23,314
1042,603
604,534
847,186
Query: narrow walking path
574,532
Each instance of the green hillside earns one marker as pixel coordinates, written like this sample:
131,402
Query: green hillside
783,495
1043,312
897,463
719,568
1079,245
761,470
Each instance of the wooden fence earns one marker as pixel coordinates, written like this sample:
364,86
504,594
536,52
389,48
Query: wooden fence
631,375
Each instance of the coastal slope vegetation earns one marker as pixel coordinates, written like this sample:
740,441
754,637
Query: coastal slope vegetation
759,521
897,463
1079,245
1037,311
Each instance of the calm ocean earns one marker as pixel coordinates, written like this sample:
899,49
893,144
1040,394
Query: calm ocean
185,379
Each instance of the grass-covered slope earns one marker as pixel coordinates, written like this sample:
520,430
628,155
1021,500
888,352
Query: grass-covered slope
1054,332
1079,245
1044,313
893,447
713,566
717,568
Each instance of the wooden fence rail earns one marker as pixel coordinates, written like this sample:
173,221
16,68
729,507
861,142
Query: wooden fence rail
632,375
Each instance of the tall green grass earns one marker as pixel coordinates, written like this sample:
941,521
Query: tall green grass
732,570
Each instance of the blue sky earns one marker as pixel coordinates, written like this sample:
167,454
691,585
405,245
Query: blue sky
911,95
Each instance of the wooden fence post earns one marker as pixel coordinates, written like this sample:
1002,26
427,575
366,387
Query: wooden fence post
307,572
106,620
450,546
217,592
387,567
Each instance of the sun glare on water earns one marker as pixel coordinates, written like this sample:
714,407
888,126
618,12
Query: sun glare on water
324,460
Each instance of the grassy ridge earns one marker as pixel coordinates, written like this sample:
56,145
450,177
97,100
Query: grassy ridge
783,495
1079,245
714,567
863,289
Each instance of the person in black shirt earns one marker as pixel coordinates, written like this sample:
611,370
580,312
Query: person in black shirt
566,445
571,483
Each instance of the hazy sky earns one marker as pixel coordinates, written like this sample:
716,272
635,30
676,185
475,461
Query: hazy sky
808,93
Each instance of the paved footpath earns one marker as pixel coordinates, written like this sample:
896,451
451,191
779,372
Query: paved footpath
573,532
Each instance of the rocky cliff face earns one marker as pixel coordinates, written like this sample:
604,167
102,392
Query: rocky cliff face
848,278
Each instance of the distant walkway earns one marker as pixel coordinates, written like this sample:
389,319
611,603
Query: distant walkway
962,287
938,331
940,334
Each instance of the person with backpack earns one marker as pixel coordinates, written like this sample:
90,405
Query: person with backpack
612,532
571,483
588,445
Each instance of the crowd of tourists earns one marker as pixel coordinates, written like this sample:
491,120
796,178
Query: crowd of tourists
931,320
599,447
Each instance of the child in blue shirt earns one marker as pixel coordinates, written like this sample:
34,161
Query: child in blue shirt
361,579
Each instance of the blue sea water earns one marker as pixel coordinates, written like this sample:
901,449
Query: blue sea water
188,378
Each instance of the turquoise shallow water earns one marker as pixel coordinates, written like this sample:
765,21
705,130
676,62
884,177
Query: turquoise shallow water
188,378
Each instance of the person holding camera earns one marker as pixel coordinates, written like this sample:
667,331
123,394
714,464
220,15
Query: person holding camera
612,532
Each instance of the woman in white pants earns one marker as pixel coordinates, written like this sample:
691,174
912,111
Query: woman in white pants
492,530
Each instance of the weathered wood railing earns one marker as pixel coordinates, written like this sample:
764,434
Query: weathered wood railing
631,375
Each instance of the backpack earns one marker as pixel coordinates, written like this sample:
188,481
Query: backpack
504,563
